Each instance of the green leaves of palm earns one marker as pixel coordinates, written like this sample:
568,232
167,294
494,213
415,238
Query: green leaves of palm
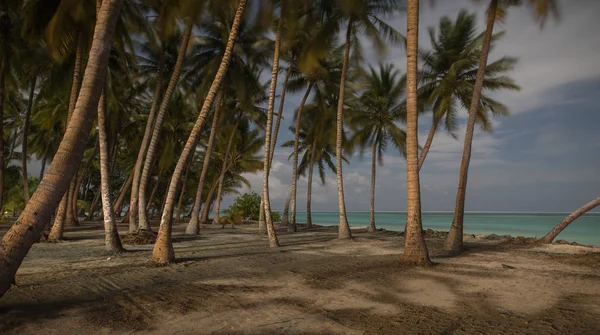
450,69
376,114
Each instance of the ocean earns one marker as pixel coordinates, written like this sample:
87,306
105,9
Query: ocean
584,230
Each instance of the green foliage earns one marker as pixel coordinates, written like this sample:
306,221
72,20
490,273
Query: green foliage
276,216
247,206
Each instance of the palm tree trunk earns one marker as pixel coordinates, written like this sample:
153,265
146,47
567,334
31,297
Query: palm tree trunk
112,242
44,159
224,169
292,227
152,148
80,179
119,202
94,205
313,152
208,201
428,142
454,243
548,238
372,227
182,193
193,226
273,242
415,249
280,111
163,248
344,228
63,208
3,70
153,193
24,144
137,167
286,209
28,227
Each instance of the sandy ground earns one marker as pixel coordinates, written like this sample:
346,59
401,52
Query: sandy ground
228,281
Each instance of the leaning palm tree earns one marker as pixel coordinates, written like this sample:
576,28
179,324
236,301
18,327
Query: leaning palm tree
163,248
359,16
449,71
415,249
379,109
21,236
548,238
496,9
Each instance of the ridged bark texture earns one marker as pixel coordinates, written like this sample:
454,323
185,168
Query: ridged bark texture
163,252
137,167
162,111
343,227
56,233
415,249
454,243
193,227
273,241
26,230
112,242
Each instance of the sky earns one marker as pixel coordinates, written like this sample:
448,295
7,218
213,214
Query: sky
544,157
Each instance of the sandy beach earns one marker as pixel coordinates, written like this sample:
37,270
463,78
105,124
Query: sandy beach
227,281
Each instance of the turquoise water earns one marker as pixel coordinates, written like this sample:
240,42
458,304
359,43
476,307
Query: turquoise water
584,230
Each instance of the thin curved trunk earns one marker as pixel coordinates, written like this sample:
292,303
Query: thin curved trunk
64,209
112,242
153,193
28,227
262,224
24,144
119,202
182,192
224,169
427,145
343,227
548,238
152,148
71,218
286,209
280,111
94,205
292,227
372,227
313,152
193,226
273,241
80,179
454,243
163,248
44,159
3,70
415,249
208,201
137,167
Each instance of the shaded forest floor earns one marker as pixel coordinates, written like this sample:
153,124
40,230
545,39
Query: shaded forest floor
228,281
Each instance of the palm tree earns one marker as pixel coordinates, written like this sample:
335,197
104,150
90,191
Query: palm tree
379,109
543,8
360,16
152,146
317,140
21,236
548,238
415,249
112,242
163,248
449,75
